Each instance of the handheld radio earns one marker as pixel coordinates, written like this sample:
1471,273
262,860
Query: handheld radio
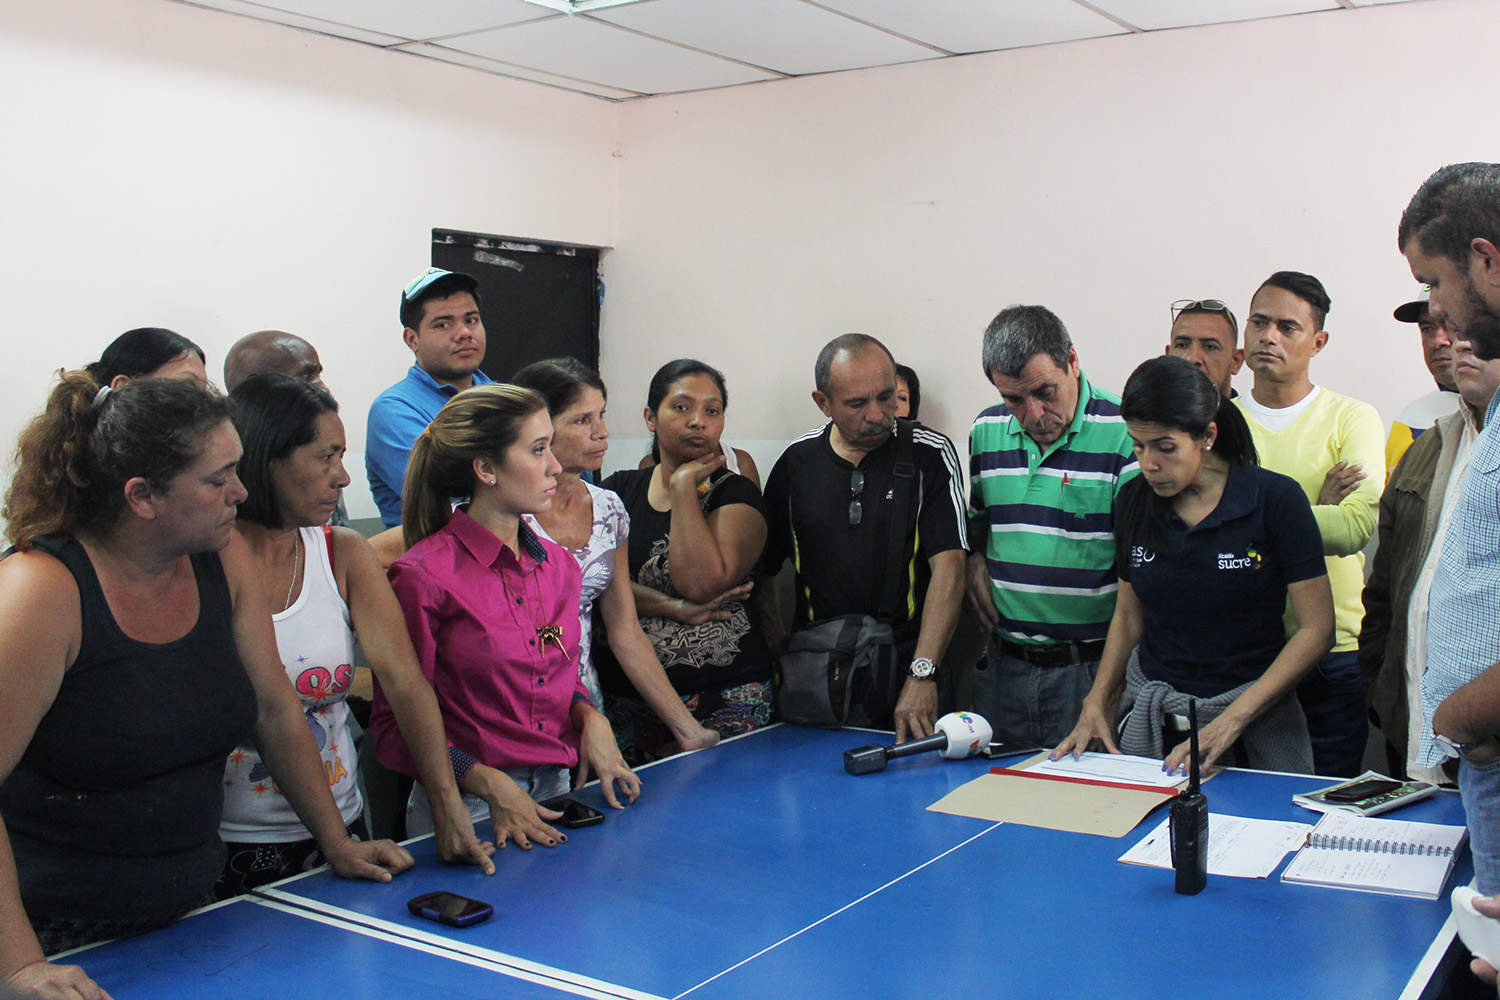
1189,823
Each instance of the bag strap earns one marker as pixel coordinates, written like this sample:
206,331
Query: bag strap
328,540
904,485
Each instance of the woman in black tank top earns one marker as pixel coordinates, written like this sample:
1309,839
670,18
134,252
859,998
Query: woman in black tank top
134,653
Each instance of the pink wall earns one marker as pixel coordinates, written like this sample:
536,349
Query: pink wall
189,158
1102,178
191,155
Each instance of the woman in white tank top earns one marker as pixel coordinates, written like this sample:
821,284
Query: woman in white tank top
321,582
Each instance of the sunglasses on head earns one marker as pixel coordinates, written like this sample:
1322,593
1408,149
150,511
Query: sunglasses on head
1202,305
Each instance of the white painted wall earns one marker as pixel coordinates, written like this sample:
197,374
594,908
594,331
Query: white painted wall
170,166
190,158
1102,178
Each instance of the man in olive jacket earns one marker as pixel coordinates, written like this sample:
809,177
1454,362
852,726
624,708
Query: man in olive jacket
1413,515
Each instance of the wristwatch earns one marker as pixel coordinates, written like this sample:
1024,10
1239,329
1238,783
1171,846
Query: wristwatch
1459,750
923,669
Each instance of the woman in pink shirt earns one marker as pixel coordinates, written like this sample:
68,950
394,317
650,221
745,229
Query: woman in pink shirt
492,609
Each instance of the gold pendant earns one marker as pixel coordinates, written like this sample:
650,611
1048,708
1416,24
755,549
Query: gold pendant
553,634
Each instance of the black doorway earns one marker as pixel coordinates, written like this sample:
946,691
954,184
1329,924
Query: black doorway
538,300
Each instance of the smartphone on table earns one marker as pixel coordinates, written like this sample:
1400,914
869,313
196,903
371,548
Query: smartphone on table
1367,789
450,908
1011,749
575,813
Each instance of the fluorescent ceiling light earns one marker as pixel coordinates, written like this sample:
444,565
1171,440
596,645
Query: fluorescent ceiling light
579,6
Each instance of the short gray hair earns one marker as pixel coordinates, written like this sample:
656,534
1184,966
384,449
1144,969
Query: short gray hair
1019,334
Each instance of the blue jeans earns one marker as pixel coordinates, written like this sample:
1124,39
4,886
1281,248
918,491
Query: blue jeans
1480,788
1026,702
1333,699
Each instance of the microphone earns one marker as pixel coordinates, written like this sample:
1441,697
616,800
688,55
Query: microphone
957,735
1189,823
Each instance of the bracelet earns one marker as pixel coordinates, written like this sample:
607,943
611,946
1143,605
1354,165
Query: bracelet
461,762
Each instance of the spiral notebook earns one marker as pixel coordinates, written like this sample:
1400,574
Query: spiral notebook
1392,856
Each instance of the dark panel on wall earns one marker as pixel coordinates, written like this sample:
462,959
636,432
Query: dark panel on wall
538,300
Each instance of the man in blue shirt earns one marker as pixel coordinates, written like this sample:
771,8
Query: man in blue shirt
440,317
1450,235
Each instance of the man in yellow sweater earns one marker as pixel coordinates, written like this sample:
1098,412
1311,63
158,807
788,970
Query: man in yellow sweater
1330,444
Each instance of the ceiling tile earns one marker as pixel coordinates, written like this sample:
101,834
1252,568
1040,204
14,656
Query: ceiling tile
446,54
1154,14
606,53
592,50
405,19
263,13
785,35
981,25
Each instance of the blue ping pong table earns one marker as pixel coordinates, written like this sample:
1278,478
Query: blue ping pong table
759,869
251,949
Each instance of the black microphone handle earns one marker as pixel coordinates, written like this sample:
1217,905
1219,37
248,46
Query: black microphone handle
937,741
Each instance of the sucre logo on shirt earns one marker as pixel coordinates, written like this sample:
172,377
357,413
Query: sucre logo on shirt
1139,555
1250,560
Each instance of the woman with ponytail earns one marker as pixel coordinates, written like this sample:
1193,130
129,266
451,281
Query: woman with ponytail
149,352
136,651
1210,548
492,609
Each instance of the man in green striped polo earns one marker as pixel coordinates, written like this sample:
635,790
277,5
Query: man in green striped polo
1045,466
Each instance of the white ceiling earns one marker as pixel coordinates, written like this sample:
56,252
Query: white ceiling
644,47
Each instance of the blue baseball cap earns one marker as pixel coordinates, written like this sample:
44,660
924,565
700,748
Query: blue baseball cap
414,290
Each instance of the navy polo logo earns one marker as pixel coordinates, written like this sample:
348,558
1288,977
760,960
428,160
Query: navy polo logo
1251,560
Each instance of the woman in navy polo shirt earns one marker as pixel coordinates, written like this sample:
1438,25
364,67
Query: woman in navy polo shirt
1210,547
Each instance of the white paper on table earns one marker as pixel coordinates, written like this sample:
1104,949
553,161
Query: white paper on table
1237,846
1111,767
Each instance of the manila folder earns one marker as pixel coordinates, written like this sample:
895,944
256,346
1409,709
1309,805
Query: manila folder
1012,796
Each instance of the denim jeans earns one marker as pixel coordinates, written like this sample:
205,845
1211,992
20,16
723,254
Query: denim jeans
1333,699
1022,701
1480,788
538,782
